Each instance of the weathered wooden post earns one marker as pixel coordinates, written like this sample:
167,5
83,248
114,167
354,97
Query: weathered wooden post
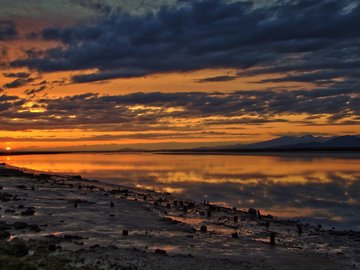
272,238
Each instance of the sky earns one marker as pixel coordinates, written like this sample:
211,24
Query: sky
176,73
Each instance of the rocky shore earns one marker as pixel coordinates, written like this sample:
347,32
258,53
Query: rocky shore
50,221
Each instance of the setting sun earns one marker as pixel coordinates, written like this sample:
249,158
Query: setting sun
8,148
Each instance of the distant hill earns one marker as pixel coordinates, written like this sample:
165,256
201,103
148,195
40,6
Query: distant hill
294,142
285,141
337,142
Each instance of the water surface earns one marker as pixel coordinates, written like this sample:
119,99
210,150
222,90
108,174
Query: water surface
316,189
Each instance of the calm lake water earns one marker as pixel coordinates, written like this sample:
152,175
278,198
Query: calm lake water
320,190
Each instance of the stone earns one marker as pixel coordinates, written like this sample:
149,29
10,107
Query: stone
5,197
160,251
203,228
4,235
19,247
28,212
20,225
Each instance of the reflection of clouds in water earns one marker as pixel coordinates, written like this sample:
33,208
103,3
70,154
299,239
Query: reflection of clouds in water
311,197
305,187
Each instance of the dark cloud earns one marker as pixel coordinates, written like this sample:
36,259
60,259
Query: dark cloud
142,135
217,79
34,91
22,75
286,35
19,82
7,30
4,53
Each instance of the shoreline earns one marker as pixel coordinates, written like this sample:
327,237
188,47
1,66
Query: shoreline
82,219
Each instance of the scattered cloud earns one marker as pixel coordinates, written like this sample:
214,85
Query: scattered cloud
139,110
7,30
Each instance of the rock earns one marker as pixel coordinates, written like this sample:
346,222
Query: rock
160,251
125,232
28,212
252,211
52,247
19,247
34,228
21,186
70,237
5,197
4,226
203,229
20,225
235,235
4,235
191,205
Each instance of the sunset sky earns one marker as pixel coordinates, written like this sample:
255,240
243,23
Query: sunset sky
176,73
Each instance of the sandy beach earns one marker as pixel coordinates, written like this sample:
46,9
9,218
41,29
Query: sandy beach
51,221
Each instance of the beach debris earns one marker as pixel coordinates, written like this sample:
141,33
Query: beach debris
191,205
252,211
168,206
299,229
112,204
272,238
235,235
236,219
125,232
203,228
208,214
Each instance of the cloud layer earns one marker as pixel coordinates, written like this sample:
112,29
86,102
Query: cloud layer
290,36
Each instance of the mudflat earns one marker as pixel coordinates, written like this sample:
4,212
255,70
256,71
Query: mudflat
51,221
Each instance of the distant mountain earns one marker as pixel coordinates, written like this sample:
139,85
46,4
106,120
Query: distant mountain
337,142
285,141
293,142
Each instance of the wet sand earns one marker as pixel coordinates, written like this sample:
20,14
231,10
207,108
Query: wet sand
53,221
